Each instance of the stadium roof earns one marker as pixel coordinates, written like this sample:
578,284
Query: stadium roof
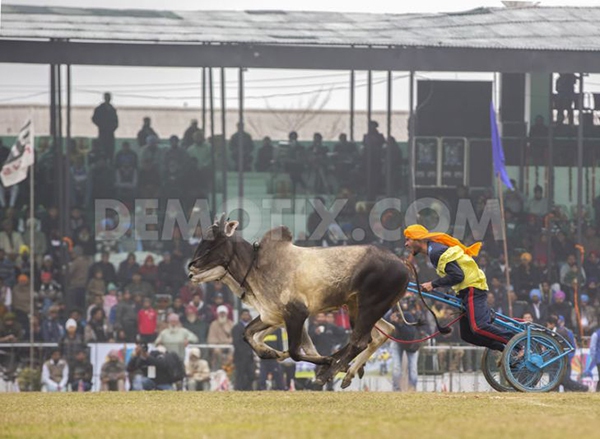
483,39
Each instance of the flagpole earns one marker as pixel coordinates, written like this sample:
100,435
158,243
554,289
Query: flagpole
507,265
31,257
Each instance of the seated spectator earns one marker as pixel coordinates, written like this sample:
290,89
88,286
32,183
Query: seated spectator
525,276
112,375
152,152
96,330
149,271
147,321
108,269
175,338
8,270
80,372
588,316
126,184
49,292
96,287
163,303
187,292
178,307
538,205
110,300
561,307
537,308
219,331
101,180
138,285
126,157
126,316
55,373
197,371
5,295
218,302
84,238
71,343
10,240
52,330
175,156
199,327
264,156
145,377
570,271
127,268
10,329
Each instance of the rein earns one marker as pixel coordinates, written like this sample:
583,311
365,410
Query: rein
255,248
420,340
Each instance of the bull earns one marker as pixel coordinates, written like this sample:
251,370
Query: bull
286,284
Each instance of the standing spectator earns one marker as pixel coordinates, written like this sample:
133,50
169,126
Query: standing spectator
112,375
96,287
81,372
138,285
10,330
594,357
55,373
525,276
96,330
565,96
175,155
537,308
105,118
52,329
247,148
190,132
195,325
8,270
373,143
126,316
294,163
145,131
264,156
147,321
71,342
21,306
149,271
406,331
271,373
219,332
175,338
561,307
151,151
171,274
538,205
78,278
126,183
10,240
243,355
588,316
197,371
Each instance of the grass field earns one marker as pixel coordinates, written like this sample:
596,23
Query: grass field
299,415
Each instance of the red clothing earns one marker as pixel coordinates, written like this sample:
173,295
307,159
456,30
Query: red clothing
147,321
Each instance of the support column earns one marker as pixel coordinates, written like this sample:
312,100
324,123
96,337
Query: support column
351,105
240,156
224,145
212,141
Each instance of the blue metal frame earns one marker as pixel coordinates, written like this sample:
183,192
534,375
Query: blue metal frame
506,322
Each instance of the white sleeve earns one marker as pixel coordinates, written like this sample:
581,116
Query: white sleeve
8,298
45,374
65,377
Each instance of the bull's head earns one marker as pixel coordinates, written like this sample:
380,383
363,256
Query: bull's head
215,252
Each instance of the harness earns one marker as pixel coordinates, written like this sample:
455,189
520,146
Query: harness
255,248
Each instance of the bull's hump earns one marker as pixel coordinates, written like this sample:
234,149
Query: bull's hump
277,236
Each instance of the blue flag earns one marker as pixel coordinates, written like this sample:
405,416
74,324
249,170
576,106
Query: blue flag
497,151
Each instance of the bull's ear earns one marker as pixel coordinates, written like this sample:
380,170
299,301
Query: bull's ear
230,227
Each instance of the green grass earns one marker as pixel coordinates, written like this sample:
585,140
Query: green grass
337,415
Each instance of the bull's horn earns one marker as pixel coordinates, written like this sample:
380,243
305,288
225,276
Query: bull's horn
222,221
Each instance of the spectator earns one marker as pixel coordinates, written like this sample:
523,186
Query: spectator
243,355
147,321
138,285
71,342
81,372
96,330
565,96
112,375
175,338
175,155
406,330
271,373
21,296
5,295
149,182
126,270
264,156
149,272
101,180
79,181
55,373
108,269
247,148
373,142
594,357
8,270
105,118
171,274
561,307
145,131
190,132
538,205
219,332
197,326
96,287
150,371
525,276
197,371
40,242
588,316
557,324
52,329
538,309
10,330
218,302
78,278
152,152
325,336
10,240
126,316
126,157
126,183
569,271
110,300
294,162
178,307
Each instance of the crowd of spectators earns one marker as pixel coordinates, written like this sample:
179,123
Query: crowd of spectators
80,298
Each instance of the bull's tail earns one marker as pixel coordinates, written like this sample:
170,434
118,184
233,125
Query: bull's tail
441,329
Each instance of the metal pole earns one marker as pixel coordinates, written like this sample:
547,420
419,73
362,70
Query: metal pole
67,172
352,105
580,161
369,94
550,186
224,145
212,141
411,139
204,100
31,251
388,165
370,190
240,157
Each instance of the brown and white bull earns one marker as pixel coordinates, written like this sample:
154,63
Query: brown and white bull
286,284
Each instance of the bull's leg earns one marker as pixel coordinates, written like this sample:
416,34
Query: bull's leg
260,336
378,339
257,326
296,315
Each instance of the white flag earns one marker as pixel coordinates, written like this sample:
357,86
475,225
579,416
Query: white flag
21,157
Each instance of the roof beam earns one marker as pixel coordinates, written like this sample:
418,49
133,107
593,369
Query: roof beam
299,57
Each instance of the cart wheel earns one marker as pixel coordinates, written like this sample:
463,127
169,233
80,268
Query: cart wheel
529,371
490,367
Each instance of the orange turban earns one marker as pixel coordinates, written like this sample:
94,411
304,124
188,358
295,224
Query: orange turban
418,232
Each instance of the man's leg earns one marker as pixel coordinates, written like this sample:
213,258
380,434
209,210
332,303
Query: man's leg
478,316
396,367
413,376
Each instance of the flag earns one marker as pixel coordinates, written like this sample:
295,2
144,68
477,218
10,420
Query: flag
20,158
497,151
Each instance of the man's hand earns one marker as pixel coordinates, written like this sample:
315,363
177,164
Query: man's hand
394,317
427,286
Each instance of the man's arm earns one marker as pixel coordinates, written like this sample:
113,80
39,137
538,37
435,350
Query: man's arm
454,276
65,377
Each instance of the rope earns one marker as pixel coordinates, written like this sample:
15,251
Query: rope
420,340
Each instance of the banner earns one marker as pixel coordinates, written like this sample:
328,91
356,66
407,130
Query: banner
20,158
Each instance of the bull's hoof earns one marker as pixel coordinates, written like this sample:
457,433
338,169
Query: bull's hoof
318,382
346,381
361,372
